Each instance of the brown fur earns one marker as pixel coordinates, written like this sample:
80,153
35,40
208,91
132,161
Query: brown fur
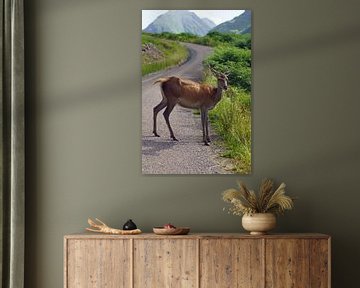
188,94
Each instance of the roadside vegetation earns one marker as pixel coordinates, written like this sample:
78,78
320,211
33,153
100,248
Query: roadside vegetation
159,54
212,39
231,117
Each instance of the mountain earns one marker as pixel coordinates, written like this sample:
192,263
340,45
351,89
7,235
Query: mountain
179,21
240,24
210,23
247,30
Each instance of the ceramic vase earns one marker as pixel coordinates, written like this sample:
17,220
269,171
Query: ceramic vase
259,223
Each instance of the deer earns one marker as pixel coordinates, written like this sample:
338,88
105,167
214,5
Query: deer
192,95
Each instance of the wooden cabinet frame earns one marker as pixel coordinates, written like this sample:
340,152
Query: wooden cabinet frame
197,261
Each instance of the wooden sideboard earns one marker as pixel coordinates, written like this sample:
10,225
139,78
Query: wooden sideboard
197,260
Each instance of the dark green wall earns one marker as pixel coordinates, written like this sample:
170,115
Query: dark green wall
83,126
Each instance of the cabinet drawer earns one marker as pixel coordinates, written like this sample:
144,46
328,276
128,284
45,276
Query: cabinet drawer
231,263
297,263
98,264
165,263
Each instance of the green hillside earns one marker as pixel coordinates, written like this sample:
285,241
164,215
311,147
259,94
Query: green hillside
158,54
239,25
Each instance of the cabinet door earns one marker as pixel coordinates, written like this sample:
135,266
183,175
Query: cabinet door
287,263
231,263
320,263
98,263
166,263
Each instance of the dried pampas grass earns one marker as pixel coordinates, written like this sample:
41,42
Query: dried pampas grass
245,201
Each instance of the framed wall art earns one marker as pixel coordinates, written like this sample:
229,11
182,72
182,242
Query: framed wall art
196,91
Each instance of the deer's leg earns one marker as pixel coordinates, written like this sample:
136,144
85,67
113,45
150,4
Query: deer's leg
203,124
169,108
207,126
202,114
156,110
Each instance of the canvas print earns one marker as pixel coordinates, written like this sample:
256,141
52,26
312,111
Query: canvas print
196,91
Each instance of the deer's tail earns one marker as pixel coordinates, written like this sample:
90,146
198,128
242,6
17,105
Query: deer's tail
161,80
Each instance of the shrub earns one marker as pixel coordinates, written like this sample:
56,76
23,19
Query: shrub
235,61
231,118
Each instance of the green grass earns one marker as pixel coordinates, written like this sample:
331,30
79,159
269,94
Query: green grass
231,118
173,54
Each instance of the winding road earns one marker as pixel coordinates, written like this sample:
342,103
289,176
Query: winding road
161,155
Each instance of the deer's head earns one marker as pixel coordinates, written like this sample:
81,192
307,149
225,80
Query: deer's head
222,79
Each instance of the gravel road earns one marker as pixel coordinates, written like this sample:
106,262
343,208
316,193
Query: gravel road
161,155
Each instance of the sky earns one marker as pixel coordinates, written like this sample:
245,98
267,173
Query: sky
217,16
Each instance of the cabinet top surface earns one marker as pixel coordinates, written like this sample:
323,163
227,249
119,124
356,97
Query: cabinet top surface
86,235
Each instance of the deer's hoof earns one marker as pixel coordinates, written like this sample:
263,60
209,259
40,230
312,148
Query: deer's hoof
206,143
156,135
174,139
